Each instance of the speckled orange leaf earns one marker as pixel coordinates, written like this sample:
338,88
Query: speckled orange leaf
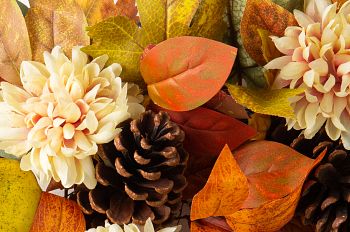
225,191
97,10
263,14
52,23
127,8
57,214
183,73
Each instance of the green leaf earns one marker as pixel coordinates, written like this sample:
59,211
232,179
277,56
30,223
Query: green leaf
264,101
23,8
123,41
290,4
8,156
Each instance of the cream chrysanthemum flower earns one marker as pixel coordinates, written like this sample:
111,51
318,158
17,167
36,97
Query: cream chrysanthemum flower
133,228
317,58
66,108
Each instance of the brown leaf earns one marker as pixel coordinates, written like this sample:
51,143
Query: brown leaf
14,41
128,9
55,23
57,214
225,191
263,14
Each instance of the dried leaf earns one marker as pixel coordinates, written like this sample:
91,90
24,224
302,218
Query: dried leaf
56,213
264,101
123,41
53,23
128,9
19,197
14,41
261,123
184,73
225,104
273,170
263,14
216,198
97,10
207,132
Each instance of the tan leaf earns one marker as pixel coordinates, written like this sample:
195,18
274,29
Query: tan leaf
57,23
14,41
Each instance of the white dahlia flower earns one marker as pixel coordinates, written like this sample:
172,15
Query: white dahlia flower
317,58
65,108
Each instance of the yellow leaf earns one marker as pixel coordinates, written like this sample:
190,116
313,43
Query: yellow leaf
265,101
268,48
123,41
19,197
216,198
55,23
14,41
97,10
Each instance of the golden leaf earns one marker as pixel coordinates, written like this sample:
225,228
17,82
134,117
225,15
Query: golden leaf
55,23
19,194
265,101
14,41
123,41
225,191
261,123
268,48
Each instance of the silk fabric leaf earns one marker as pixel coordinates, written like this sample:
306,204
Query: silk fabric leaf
97,10
14,41
184,73
265,101
19,197
171,19
216,198
53,23
56,213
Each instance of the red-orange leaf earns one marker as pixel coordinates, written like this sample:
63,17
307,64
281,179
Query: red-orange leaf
225,191
127,8
273,171
207,132
57,214
183,73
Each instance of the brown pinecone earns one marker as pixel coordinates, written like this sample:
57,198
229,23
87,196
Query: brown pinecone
140,174
325,199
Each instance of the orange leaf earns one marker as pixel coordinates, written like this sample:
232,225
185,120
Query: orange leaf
225,191
263,14
128,9
210,225
273,171
57,214
183,73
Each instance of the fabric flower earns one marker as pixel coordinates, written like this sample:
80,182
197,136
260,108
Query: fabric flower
66,108
317,58
133,228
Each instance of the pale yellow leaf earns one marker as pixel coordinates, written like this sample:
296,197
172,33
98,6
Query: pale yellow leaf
265,101
14,41
60,23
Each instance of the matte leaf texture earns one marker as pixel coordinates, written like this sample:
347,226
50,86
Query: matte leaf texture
207,132
274,174
124,41
52,23
216,198
19,197
184,73
265,101
57,214
97,10
14,41
263,14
